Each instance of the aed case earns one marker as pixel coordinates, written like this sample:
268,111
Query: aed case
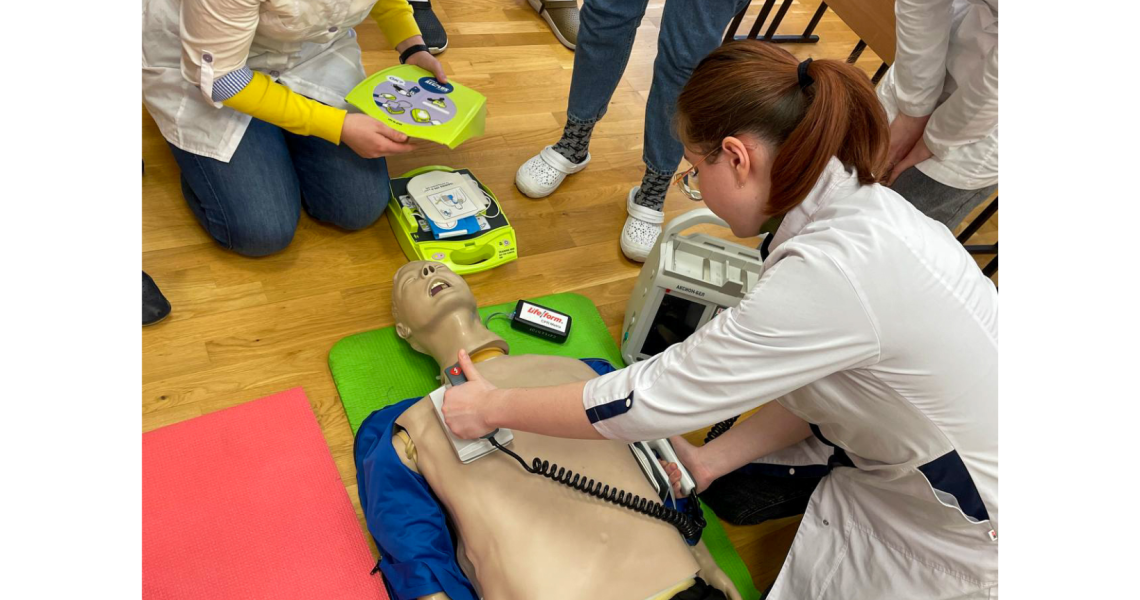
541,321
686,282
485,249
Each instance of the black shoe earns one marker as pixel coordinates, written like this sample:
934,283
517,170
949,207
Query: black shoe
155,305
430,27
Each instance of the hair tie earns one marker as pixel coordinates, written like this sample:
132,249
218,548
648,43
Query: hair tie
805,79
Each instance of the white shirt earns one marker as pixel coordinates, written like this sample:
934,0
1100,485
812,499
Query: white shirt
946,66
307,45
871,322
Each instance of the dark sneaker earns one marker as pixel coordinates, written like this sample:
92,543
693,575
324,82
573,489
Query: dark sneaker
430,27
155,305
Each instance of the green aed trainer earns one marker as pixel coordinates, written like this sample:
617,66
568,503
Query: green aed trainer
410,100
490,243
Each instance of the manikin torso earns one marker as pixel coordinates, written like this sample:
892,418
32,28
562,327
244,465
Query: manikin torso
523,536
528,537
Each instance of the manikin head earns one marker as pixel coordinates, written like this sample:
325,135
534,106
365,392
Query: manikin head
435,312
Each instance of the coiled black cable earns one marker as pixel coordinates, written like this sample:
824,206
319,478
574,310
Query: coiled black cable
719,429
690,523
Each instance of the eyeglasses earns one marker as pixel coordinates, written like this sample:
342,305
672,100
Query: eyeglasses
688,179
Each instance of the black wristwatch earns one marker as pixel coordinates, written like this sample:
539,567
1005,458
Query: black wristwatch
406,54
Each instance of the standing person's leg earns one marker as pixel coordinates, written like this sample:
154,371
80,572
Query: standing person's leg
606,32
251,204
690,29
948,205
337,185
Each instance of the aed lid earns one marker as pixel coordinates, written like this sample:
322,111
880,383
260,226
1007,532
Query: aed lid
410,100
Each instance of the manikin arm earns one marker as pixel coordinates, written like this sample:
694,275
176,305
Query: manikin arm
406,450
711,573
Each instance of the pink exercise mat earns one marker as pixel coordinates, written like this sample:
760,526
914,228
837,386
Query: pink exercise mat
247,503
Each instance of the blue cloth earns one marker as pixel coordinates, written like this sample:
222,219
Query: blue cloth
417,556
690,29
251,204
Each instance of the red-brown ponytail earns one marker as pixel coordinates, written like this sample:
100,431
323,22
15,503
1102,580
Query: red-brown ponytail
754,87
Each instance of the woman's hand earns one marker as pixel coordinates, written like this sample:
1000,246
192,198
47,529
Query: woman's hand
906,131
421,59
466,406
690,456
917,154
372,139
426,61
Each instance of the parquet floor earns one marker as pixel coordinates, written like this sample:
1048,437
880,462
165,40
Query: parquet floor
246,328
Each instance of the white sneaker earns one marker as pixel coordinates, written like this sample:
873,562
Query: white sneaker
642,228
541,175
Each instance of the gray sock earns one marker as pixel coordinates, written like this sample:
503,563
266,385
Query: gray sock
575,142
653,188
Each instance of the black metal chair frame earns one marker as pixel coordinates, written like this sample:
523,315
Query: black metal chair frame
807,37
982,249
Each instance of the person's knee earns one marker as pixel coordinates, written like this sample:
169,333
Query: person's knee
262,238
360,215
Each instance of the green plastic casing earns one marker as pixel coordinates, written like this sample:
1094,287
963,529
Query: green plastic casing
467,123
494,247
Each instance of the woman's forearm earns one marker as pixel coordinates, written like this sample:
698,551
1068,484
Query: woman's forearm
409,42
555,411
771,428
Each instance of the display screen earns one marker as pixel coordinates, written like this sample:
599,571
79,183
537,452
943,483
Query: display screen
676,319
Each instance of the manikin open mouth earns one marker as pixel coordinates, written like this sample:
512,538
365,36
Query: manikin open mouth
437,287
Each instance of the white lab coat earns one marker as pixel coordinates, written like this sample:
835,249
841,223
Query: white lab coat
871,322
946,66
307,45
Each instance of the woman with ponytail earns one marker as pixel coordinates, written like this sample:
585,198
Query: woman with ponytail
869,346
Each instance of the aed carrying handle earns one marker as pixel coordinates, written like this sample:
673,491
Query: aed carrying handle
692,218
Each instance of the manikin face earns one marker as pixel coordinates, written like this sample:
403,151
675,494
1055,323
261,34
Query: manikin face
425,295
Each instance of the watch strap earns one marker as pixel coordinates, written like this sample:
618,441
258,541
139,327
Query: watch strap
410,50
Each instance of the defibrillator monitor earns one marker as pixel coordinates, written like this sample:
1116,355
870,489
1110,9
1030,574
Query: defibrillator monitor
686,282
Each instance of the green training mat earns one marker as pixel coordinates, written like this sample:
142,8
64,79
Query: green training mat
724,553
376,368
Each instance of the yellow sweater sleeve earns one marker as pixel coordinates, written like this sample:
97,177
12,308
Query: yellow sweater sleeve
274,103
395,19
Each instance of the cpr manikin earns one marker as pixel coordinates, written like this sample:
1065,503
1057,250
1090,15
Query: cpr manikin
520,536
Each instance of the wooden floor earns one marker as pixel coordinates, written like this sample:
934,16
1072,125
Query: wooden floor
245,328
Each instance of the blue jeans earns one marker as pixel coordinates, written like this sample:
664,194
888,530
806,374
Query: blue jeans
690,29
251,204
948,205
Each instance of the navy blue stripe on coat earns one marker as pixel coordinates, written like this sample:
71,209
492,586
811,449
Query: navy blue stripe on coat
948,474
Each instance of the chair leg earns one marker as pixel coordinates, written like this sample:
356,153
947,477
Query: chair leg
990,268
977,223
879,74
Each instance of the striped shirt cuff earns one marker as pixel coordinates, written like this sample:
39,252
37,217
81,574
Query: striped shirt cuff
231,83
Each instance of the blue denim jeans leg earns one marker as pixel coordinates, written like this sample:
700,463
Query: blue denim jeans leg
251,204
690,29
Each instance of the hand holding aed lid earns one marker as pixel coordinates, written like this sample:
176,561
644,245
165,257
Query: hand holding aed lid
465,406
372,139
425,60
